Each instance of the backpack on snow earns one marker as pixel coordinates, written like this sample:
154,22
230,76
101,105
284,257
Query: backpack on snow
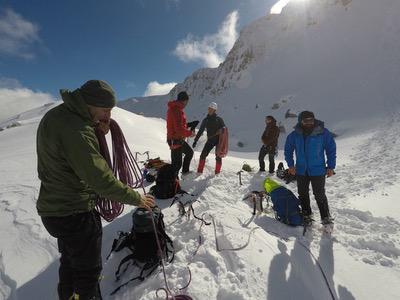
284,174
285,204
167,185
142,244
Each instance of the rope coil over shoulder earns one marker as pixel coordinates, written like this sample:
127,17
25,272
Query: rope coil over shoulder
124,167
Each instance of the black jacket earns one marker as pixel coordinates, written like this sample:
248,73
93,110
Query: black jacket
213,124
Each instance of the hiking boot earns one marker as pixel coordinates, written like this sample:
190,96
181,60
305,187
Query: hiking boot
261,170
187,173
327,221
271,172
327,225
307,220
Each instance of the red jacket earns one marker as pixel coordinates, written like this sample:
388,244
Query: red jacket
176,121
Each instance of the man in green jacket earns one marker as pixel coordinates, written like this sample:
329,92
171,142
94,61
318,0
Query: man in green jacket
73,173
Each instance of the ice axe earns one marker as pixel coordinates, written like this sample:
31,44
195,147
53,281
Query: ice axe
240,176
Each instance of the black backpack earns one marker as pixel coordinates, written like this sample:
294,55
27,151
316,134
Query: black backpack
284,174
167,185
142,244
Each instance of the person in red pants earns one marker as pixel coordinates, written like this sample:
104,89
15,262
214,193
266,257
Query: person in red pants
214,125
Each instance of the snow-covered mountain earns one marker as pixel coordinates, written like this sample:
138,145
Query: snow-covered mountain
337,58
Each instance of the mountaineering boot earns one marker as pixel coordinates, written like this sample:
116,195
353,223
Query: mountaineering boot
307,220
307,223
327,224
200,168
218,166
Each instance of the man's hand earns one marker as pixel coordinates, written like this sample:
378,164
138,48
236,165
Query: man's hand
147,202
104,126
193,134
329,172
194,144
292,171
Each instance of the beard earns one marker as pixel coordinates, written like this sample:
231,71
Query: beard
308,128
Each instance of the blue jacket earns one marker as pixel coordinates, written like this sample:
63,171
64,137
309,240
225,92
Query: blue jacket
310,150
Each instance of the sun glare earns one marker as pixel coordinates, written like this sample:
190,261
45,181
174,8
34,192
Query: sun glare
276,9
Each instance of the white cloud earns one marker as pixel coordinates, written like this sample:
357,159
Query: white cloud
17,100
17,35
155,88
212,49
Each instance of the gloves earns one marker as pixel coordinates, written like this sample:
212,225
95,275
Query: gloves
194,144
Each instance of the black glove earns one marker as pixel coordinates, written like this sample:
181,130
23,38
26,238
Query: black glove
194,144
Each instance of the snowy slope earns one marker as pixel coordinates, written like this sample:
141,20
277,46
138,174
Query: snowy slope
360,262
337,58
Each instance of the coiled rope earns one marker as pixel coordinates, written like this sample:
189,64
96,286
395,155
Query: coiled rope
124,167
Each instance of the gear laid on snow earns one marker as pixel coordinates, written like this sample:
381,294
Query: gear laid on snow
283,174
148,244
246,167
167,185
285,204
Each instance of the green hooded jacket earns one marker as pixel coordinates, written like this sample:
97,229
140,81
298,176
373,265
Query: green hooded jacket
71,169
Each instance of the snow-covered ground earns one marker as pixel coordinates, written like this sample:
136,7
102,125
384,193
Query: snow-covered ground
361,261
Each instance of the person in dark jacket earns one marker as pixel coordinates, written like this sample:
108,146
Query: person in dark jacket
214,125
73,173
269,139
311,141
177,132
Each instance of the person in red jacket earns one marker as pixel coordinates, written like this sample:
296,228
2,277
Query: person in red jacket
177,132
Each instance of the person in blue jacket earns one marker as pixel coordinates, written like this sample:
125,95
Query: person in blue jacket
311,142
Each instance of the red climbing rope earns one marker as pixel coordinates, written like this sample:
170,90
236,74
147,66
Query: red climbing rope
124,167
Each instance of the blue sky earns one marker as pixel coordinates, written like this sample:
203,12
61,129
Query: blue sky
53,44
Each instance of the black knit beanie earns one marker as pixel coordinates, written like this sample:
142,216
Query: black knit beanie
306,115
98,93
183,96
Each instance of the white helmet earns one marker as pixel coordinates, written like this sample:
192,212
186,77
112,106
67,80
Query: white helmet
213,105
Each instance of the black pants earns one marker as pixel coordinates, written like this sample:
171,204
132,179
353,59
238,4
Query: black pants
176,158
79,242
271,155
209,145
318,186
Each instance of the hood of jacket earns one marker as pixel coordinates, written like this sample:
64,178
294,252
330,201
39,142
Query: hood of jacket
75,103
